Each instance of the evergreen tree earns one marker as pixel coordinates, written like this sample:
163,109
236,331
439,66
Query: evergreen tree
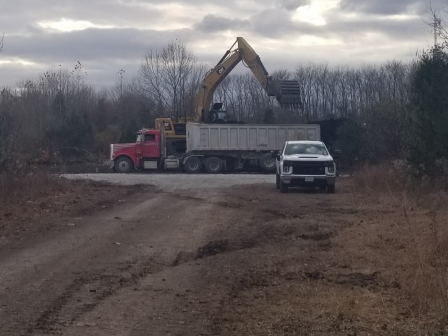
429,88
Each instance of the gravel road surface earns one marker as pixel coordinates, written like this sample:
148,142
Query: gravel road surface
179,181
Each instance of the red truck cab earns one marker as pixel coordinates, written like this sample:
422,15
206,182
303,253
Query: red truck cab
145,153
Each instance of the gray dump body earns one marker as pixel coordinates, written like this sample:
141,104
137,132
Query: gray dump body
242,137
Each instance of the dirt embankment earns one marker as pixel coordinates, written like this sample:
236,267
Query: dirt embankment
26,214
241,260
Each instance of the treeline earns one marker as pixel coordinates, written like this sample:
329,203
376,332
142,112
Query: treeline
326,92
60,110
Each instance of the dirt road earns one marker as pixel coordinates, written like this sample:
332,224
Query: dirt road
218,258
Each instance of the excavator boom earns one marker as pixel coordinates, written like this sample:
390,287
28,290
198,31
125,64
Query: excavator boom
287,92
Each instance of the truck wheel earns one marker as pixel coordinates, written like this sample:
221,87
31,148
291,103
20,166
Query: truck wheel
214,165
283,187
277,181
267,163
123,165
331,189
193,165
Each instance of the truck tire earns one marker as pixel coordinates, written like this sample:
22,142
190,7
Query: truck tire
214,165
283,187
267,163
193,165
331,189
123,165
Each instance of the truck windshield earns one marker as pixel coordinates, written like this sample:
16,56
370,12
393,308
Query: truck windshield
292,149
139,137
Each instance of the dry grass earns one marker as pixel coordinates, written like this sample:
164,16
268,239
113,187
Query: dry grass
37,200
421,235
383,271
396,179
30,185
381,178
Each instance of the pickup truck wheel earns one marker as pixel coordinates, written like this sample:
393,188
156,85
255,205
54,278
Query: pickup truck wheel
283,187
193,165
214,165
267,163
331,189
123,165
277,181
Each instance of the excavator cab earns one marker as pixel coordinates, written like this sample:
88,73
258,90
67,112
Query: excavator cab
217,115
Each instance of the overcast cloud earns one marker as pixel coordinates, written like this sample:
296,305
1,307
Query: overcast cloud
385,7
109,35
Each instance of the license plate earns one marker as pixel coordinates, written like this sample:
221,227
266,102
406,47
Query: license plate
309,179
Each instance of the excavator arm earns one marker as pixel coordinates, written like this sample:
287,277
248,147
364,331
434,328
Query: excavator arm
287,92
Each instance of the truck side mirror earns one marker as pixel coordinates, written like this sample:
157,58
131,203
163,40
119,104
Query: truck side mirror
337,153
276,155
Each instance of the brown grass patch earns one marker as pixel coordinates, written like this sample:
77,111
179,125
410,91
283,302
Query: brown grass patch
382,178
382,272
421,235
30,185
36,200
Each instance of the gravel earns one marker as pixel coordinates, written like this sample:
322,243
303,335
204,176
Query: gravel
178,181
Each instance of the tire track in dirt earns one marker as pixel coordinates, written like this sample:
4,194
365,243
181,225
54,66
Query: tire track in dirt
268,226
68,285
296,269
86,292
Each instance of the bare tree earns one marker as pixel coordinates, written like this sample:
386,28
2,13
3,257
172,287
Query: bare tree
170,78
1,42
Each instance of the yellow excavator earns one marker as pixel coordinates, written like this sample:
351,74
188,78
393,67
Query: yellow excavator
287,92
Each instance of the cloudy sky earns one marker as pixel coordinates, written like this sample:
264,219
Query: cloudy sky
109,35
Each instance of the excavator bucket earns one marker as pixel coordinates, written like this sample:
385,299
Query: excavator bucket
288,93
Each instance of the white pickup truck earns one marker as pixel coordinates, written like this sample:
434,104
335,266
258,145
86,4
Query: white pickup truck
305,164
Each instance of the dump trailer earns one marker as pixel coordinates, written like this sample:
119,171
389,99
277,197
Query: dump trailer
218,147
213,148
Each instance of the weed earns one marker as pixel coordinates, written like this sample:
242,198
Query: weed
18,187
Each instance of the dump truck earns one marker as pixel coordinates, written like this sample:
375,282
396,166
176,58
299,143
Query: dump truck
211,148
285,91
212,142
